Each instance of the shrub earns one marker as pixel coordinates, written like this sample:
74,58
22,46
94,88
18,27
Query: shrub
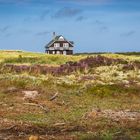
81,66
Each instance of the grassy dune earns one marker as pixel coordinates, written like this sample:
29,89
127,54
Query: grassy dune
20,57
100,102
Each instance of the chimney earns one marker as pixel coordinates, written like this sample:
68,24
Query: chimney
54,35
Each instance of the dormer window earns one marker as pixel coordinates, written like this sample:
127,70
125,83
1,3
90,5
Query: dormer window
61,38
57,46
66,46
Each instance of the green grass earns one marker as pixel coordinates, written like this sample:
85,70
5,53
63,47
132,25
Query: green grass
2,96
33,118
112,90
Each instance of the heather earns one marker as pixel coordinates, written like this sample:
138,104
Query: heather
69,97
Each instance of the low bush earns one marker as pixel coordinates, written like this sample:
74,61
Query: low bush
65,69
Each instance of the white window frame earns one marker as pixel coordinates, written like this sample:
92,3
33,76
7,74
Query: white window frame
66,46
56,45
61,38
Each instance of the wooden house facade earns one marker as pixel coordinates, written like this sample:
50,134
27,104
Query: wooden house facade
59,45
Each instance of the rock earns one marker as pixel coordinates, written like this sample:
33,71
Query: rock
33,137
91,114
11,89
119,115
30,94
114,115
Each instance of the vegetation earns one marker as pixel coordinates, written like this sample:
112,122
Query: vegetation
128,53
20,57
101,101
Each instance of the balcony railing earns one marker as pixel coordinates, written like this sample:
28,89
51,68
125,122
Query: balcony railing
60,48
56,48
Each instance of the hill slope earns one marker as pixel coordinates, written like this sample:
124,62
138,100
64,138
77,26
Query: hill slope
99,102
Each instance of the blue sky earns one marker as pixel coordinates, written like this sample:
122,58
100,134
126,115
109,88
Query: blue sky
94,25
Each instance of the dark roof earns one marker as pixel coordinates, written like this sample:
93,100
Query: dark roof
57,39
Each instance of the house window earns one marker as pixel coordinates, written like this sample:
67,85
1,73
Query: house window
66,46
57,45
53,52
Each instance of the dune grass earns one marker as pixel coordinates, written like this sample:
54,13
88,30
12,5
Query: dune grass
103,87
20,57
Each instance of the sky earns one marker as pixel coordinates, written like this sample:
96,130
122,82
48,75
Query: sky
93,25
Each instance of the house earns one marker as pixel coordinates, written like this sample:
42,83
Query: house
59,45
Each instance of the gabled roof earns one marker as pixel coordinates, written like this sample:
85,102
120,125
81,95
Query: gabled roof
57,39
